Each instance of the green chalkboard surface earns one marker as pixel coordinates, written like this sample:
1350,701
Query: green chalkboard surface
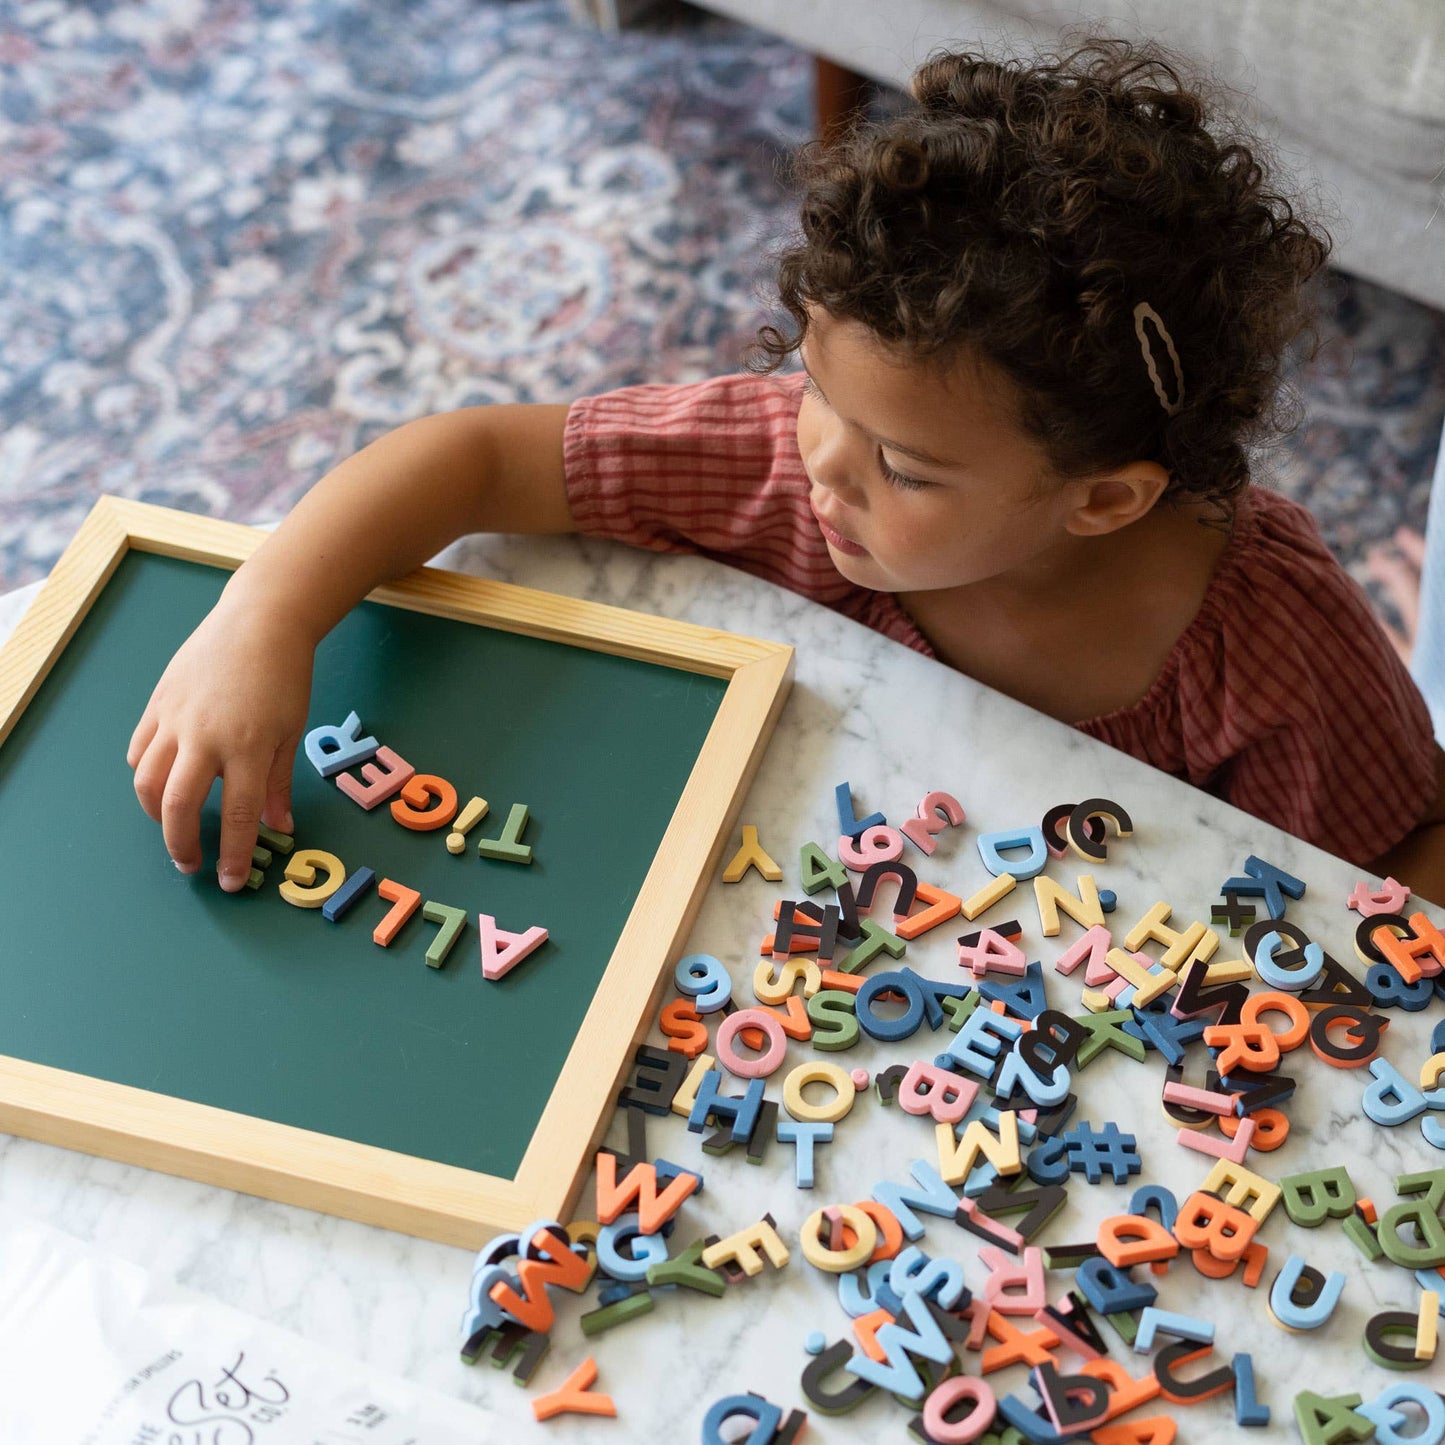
114,966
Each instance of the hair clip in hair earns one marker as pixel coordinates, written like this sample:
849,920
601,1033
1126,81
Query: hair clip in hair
1141,311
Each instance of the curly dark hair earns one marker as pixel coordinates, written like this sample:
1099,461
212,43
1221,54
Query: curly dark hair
1020,210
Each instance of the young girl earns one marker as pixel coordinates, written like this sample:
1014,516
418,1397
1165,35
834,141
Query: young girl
1043,315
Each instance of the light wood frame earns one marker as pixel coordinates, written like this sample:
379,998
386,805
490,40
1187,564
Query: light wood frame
361,1181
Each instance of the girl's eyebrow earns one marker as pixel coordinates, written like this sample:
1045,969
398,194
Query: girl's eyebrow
915,452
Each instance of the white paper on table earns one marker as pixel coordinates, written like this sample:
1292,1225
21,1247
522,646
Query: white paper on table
95,1351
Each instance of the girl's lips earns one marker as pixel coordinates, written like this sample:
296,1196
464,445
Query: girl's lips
837,539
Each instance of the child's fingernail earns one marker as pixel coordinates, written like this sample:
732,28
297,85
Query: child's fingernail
231,881
288,824
184,867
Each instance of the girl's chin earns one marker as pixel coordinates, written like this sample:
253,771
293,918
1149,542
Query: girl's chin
863,571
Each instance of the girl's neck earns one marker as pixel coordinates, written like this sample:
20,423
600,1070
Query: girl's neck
1085,629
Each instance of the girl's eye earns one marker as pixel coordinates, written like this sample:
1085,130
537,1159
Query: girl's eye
908,484
898,479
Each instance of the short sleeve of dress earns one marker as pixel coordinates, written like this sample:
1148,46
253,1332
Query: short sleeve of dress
710,467
1291,702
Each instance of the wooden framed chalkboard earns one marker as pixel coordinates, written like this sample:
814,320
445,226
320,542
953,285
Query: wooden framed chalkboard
249,1043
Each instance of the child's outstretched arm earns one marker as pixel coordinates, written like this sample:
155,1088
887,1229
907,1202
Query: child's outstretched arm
232,702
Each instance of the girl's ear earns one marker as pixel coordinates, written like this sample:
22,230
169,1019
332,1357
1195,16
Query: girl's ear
1108,502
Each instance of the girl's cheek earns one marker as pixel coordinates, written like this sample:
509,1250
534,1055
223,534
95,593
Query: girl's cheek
807,430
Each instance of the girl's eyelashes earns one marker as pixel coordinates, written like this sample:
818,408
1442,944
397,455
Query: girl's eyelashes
907,484
810,388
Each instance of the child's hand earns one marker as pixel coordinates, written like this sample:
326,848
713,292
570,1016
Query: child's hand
231,704
1398,571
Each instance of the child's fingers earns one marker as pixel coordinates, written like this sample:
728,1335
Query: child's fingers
1402,586
140,739
243,790
277,812
1412,544
190,780
152,769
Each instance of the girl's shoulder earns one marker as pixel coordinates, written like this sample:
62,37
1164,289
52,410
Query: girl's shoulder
1278,587
1274,589
1285,695
1272,528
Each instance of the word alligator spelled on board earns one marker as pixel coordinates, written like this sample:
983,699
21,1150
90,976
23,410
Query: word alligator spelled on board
421,802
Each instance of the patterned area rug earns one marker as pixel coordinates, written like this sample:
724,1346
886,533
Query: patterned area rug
238,241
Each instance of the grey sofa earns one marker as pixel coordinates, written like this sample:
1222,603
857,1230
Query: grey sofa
1351,92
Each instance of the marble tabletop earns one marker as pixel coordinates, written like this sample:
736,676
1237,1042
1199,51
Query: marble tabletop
895,725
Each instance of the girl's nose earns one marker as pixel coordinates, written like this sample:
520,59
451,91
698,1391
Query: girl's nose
835,466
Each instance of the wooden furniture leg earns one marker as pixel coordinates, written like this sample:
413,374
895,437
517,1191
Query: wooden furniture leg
840,93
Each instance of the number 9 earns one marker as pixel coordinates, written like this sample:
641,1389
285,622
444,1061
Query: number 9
704,979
